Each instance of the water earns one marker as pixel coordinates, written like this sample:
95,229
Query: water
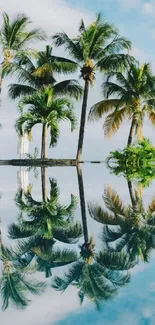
132,303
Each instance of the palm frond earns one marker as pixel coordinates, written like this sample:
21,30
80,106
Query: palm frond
68,88
69,235
113,201
18,90
115,260
113,122
101,215
103,107
69,44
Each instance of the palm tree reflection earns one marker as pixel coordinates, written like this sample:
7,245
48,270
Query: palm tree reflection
97,275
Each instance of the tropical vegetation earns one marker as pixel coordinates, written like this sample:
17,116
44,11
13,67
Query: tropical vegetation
127,228
135,162
44,108
97,275
46,236
97,47
47,222
128,87
132,96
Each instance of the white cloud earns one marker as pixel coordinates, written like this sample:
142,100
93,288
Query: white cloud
149,8
52,15
47,309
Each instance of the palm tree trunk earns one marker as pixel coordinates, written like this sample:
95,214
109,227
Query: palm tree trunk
44,183
131,192
44,142
131,133
82,122
82,203
1,80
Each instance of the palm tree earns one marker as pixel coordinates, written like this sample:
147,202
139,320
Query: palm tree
48,221
133,96
96,47
46,109
35,75
97,275
15,39
130,227
15,281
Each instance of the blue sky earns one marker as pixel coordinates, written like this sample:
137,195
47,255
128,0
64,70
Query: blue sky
135,19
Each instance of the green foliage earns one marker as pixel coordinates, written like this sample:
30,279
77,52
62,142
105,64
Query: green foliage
15,281
47,222
99,280
132,97
43,107
136,162
35,74
15,39
128,228
100,42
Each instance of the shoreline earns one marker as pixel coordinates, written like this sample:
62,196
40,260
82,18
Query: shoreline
44,162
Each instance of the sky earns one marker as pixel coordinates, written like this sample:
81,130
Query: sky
135,20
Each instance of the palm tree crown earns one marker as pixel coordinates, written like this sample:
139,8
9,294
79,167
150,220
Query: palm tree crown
133,96
15,39
130,227
46,109
96,46
97,275
34,75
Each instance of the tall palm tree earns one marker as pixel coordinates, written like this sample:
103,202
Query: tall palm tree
130,227
48,221
15,281
133,97
15,39
97,275
46,109
97,46
33,75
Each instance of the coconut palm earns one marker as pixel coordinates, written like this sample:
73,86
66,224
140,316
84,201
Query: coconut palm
15,282
46,109
130,227
97,46
33,75
48,222
48,218
15,39
133,97
97,275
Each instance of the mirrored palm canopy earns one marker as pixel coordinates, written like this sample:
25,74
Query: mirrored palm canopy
127,227
54,246
42,224
98,274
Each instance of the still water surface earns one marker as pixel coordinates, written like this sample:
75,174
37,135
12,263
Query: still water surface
55,243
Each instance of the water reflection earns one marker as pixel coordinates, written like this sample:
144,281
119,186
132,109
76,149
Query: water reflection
97,275
46,236
130,227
